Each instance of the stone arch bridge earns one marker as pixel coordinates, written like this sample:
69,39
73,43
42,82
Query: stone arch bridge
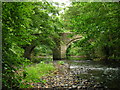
62,43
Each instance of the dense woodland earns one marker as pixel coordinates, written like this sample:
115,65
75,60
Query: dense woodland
22,22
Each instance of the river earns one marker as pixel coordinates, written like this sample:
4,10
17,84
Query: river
83,75
97,73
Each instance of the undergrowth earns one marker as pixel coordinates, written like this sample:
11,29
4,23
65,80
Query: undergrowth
33,74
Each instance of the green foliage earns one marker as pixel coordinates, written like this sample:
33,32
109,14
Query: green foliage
34,73
61,62
24,23
20,21
42,50
15,33
98,23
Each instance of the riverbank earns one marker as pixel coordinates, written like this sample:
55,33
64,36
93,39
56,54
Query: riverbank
79,75
66,78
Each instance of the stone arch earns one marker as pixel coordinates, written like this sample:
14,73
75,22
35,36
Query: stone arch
28,50
66,41
76,38
59,52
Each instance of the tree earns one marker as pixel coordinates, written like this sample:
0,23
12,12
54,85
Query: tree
98,23
21,20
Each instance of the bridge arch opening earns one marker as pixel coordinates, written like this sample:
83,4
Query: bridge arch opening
35,53
74,50
41,50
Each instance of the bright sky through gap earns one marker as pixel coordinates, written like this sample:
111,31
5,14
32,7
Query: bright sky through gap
61,1
66,2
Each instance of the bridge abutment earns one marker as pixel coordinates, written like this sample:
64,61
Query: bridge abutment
60,52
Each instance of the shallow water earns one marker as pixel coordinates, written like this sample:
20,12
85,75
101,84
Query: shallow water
96,72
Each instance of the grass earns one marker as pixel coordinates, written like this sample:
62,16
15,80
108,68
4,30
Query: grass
33,74
61,62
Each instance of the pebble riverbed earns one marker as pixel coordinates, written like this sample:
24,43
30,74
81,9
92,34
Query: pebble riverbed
68,78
